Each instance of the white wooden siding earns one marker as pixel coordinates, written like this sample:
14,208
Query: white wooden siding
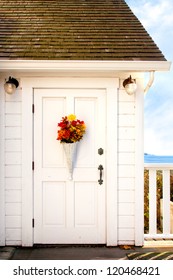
13,188
126,168
13,209
126,183
13,158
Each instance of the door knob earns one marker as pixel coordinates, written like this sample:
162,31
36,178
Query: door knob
101,169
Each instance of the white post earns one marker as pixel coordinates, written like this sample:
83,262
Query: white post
139,165
166,201
152,202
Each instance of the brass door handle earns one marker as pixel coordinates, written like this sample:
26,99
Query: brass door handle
101,169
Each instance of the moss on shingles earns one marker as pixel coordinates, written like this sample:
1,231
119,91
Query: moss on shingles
73,29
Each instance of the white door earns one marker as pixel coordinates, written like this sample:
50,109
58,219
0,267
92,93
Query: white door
69,211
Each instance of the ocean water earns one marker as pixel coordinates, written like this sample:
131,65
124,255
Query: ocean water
157,159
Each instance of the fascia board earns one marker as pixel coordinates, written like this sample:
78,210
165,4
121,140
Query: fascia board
124,66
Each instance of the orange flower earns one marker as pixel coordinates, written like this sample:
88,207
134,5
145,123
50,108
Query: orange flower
71,130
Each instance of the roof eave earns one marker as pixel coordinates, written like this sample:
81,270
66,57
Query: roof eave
81,65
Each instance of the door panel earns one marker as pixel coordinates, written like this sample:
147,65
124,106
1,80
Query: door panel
86,199
54,195
52,107
88,108
69,211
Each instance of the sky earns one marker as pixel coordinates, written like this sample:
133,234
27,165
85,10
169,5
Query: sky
157,18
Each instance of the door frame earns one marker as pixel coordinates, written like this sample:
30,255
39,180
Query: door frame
2,163
110,85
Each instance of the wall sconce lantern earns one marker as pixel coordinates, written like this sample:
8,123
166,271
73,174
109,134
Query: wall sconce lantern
11,85
130,85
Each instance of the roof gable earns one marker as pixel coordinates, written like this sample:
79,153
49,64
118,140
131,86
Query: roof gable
73,30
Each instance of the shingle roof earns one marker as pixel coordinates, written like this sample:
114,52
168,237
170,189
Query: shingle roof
73,30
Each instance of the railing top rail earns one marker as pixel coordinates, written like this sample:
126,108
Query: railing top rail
158,166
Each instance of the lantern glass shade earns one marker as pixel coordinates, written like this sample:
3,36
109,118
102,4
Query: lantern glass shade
10,88
11,85
131,88
130,85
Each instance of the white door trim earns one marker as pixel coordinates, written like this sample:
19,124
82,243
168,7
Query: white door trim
112,187
2,163
139,165
111,85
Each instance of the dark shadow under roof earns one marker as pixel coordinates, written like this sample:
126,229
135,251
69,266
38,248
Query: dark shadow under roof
73,30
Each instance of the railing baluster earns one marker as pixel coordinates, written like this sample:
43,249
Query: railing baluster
152,202
166,201
167,221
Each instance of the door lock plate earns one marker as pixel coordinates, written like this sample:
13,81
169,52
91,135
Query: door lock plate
100,151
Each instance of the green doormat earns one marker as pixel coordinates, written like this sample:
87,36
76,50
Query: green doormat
151,256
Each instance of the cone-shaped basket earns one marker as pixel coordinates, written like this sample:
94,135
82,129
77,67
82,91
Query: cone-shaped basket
70,150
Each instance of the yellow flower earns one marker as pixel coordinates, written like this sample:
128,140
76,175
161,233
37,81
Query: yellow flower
71,117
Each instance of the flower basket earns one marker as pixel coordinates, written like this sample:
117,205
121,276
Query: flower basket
70,151
71,131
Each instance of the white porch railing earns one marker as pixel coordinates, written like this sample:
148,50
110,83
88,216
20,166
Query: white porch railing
160,211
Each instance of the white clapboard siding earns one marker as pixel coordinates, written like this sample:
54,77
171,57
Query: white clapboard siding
13,120
13,158
126,158
13,107
126,145
13,196
13,183
126,209
13,234
126,221
126,120
126,183
14,209
13,243
127,133
126,168
13,222
126,108
126,196
12,132
13,145
126,171
126,234
13,170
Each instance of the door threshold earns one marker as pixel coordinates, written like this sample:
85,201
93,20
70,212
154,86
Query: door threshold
68,245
